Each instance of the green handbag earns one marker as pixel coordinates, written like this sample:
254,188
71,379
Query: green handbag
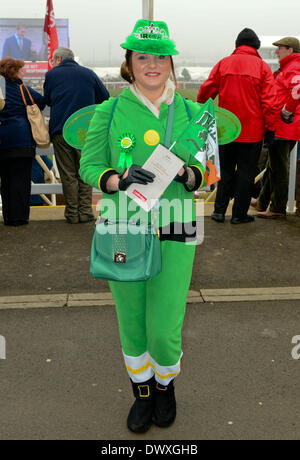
128,250
125,251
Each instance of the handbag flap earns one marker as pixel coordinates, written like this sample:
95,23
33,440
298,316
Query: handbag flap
125,238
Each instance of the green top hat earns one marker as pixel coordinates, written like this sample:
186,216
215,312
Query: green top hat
150,37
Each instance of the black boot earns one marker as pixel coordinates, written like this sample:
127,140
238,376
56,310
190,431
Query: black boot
140,416
218,217
164,412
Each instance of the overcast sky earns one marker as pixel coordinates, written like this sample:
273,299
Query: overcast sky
202,29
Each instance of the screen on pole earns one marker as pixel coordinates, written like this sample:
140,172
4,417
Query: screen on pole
25,38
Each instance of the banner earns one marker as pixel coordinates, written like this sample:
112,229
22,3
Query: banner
50,30
200,139
35,69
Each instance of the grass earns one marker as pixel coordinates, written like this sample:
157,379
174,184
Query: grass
189,93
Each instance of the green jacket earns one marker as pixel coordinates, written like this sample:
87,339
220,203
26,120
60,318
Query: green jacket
101,152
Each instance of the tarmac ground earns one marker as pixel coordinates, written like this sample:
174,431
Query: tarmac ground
64,376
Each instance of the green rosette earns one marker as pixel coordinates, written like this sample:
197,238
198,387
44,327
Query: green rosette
126,143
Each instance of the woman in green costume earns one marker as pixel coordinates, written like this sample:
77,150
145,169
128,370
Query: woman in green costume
122,135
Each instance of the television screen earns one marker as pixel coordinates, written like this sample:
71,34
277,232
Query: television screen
25,38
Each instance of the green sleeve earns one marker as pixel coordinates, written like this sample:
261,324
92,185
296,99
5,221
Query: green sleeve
95,156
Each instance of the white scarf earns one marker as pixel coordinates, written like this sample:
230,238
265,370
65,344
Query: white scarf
167,97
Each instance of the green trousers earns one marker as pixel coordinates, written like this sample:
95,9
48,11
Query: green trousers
151,313
276,179
77,194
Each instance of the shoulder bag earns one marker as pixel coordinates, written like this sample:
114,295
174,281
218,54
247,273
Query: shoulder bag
40,132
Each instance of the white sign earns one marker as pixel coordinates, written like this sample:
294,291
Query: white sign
165,165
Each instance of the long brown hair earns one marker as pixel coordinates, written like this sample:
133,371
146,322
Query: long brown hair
126,68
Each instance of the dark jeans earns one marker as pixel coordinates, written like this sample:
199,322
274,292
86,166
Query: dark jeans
77,194
15,174
276,178
238,163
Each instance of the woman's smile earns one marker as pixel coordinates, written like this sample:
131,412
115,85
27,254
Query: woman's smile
152,74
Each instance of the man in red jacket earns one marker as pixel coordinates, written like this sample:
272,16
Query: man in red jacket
287,80
246,87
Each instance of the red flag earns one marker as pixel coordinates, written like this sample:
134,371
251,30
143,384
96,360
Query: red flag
50,30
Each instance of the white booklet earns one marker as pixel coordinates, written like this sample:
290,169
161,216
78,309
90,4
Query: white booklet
165,165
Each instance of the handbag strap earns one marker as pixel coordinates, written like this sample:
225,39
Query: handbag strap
23,97
187,108
112,112
170,122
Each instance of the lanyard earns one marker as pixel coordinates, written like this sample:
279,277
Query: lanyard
169,128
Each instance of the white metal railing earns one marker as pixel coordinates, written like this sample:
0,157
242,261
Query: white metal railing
293,180
45,187
51,177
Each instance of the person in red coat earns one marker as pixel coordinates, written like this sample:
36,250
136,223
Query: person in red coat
246,87
287,124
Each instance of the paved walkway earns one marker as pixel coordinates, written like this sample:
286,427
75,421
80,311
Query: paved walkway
101,299
64,377
52,257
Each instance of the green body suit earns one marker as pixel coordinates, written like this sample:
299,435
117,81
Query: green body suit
150,313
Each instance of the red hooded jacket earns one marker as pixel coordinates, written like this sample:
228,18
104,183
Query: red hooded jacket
246,87
287,81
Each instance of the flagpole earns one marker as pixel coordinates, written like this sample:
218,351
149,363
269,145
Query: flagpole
172,145
147,9
50,30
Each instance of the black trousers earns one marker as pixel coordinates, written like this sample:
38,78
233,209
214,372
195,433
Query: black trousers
15,175
238,162
276,179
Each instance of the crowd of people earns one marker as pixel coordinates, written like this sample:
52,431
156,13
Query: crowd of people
267,106
67,88
269,110
147,113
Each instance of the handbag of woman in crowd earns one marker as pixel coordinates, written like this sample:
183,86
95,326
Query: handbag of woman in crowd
122,135
17,145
